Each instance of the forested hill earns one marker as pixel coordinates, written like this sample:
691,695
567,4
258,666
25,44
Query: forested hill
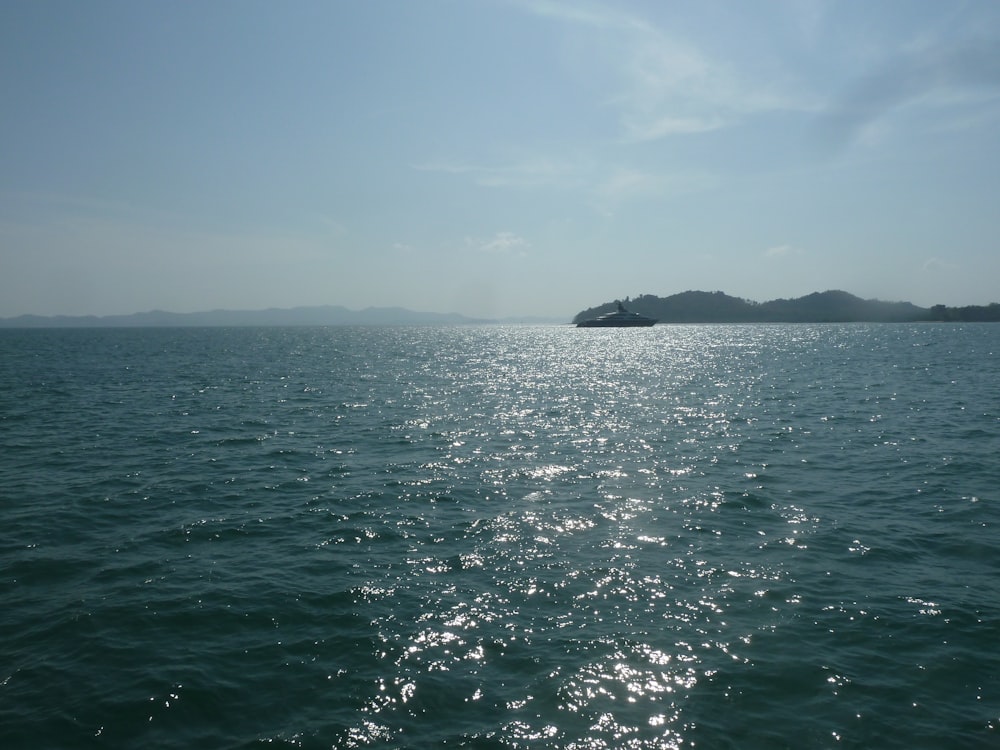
818,307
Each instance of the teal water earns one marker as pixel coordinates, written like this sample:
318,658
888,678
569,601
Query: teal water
501,537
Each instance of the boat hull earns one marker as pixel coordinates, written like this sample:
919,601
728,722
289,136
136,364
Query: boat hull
598,323
620,318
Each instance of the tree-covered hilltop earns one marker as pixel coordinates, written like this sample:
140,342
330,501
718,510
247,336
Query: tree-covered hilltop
971,313
819,307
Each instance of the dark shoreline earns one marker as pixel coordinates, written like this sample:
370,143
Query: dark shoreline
819,307
686,307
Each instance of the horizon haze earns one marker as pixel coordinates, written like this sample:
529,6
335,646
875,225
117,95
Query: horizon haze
494,159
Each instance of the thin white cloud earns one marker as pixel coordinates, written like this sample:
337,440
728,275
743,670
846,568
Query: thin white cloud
628,182
600,184
502,243
625,183
647,129
603,18
667,86
521,174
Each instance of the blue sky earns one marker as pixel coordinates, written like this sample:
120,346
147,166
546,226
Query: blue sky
494,157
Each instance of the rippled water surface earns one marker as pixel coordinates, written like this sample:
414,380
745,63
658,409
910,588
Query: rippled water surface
492,537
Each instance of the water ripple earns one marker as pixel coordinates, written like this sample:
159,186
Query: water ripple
687,536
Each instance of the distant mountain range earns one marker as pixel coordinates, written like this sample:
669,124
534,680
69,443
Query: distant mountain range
819,307
328,315
686,307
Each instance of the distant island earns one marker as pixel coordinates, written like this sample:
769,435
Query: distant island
324,315
686,307
819,307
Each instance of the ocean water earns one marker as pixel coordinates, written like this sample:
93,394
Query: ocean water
501,537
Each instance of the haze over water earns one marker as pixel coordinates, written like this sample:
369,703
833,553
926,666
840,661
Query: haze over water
500,537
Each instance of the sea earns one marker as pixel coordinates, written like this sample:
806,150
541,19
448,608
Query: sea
685,536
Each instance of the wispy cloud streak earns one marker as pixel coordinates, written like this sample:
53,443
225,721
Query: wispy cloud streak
935,77
500,243
667,86
519,174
